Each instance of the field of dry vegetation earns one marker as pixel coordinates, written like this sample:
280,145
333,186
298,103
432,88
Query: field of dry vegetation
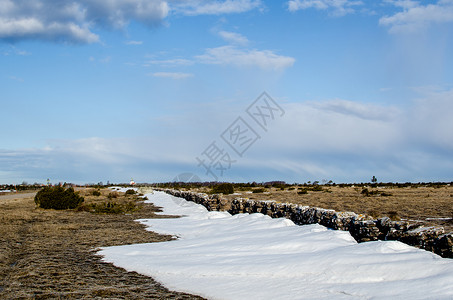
49,254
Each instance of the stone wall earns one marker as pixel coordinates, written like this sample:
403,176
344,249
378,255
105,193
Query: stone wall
362,227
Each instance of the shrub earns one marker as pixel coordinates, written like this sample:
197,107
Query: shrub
303,191
58,198
112,195
96,193
223,188
130,192
259,190
365,192
109,207
317,188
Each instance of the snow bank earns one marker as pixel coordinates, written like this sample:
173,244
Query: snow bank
244,256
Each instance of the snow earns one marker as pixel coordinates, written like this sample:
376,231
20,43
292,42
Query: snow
251,256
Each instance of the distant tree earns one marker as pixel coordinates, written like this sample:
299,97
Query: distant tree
374,179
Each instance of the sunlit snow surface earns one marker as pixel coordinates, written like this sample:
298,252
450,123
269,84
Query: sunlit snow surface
245,256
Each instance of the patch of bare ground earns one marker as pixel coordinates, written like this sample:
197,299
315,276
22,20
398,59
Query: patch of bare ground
432,206
49,254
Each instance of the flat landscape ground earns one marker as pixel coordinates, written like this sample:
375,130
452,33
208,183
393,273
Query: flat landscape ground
430,205
49,254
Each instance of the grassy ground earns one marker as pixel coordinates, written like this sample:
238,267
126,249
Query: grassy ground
429,205
49,254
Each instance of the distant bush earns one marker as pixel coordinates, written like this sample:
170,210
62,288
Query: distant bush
58,198
365,192
223,188
130,192
109,207
302,191
317,188
96,193
259,190
112,195
368,193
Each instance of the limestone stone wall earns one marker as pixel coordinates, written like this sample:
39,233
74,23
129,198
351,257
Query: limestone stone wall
362,227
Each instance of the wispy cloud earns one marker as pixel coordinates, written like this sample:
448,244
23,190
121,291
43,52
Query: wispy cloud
359,110
171,75
334,139
234,38
170,62
13,50
231,55
16,78
415,16
104,60
134,43
336,7
205,7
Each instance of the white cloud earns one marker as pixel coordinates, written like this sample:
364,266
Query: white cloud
334,139
206,7
359,110
172,75
169,62
134,43
12,50
16,78
231,55
338,7
73,21
415,17
234,38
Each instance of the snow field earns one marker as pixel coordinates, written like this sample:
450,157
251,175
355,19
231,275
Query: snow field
252,256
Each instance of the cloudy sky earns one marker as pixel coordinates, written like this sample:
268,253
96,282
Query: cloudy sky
97,90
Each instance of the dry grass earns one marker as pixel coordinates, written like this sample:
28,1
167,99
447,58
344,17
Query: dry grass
48,254
422,204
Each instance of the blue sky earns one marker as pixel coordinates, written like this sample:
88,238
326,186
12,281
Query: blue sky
112,90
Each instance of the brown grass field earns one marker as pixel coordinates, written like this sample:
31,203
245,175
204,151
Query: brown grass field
49,254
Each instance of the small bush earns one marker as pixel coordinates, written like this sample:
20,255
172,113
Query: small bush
58,198
112,195
96,193
365,192
302,191
130,192
317,188
223,188
109,207
259,190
